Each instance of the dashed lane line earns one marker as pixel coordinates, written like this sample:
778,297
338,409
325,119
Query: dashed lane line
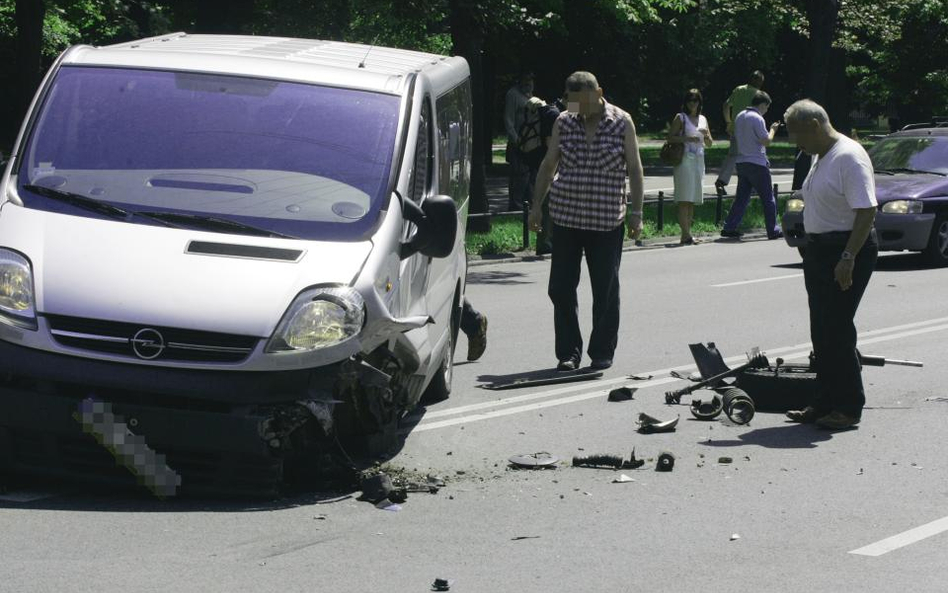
742,282
904,539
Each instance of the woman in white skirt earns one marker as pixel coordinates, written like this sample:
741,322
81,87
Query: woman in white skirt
690,128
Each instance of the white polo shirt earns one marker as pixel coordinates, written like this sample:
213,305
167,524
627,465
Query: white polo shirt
839,182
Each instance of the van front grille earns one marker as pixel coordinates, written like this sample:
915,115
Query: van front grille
148,342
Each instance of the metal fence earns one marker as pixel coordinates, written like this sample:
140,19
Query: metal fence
659,200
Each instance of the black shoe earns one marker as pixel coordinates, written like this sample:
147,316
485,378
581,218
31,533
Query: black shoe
720,187
477,343
776,235
567,365
601,364
735,234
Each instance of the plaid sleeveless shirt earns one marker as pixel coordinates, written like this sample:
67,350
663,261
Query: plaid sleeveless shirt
589,190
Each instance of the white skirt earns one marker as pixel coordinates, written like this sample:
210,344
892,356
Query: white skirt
689,175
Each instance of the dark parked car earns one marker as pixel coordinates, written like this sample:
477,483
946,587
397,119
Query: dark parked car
911,169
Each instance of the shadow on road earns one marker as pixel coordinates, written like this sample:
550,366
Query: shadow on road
497,277
788,436
902,262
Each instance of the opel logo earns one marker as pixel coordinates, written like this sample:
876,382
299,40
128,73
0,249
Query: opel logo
148,344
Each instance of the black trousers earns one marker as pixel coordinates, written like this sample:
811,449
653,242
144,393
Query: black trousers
603,250
832,331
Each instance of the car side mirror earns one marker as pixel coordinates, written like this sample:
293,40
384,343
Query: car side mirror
436,221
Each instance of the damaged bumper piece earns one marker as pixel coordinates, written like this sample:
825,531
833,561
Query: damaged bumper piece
183,431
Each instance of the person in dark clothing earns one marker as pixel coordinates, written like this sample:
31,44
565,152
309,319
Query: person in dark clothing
548,114
593,148
841,252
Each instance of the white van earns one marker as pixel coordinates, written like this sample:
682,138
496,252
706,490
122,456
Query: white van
243,245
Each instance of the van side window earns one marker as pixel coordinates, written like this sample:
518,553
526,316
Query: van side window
454,142
424,156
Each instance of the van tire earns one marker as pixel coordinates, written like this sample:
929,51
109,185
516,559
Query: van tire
936,252
440,387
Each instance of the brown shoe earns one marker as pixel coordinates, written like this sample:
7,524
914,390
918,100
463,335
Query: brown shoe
837,421
477,344
807,415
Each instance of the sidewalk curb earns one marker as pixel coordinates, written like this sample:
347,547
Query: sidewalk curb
627,246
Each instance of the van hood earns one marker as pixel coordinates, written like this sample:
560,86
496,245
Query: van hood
135,273
901,186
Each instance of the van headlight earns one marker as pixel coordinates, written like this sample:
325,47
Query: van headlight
903,207
318,318
17,305
794,205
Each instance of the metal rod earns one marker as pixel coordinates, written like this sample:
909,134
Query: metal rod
719,208
661,210
526,225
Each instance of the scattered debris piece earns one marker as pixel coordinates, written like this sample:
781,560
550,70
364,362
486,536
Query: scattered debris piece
707,410
916,466
725,460
520,537
735,536
738,406
387,505
860,472
938,398
747,458
334,500
640,377
608,461
541,460
649,424
665,463
622,394
441,585
622,479
546,378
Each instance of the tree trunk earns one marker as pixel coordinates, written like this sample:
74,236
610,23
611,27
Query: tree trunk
467,38
29,53
822,15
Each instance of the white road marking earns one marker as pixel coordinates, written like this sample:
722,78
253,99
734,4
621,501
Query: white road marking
903,539
603,387
756,281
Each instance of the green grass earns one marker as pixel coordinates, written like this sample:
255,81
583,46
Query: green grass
506,232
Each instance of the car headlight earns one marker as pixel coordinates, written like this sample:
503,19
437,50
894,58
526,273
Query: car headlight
794,205
17,305
903,207
318,318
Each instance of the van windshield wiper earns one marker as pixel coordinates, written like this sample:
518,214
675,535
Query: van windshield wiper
906,170
212,223
78,200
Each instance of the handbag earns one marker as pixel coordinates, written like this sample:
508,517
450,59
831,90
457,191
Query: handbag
672,152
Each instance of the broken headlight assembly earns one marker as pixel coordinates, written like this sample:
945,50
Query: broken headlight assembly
319,318
903,207
17,304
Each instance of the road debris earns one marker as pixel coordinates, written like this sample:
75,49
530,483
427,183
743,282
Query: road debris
541,460
441,585
520,537
735,536
724,460
937,398
649,424
707,410
665,463
622,479
621,394
608,461
639,377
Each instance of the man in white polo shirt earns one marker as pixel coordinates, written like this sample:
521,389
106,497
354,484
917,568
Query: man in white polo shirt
841,250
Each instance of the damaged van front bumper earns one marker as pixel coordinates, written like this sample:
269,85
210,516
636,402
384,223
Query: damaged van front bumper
221,431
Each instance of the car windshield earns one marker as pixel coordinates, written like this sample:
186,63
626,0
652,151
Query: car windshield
911,153
293,159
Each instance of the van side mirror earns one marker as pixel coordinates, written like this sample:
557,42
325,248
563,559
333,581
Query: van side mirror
437,223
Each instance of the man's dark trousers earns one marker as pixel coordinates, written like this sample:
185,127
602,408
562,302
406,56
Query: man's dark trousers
603,251
838,373
751,176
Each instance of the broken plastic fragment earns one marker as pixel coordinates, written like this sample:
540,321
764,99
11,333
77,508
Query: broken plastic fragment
665,462
541,460
622,479
441,585
725,460
735,536
649,424
621,394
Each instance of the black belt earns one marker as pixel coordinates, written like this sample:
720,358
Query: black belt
837,237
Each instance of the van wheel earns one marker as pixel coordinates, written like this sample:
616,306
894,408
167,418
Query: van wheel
440,387
937,250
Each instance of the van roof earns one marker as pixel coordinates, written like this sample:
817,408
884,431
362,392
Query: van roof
349,65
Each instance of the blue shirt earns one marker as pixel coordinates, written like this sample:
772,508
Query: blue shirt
750,131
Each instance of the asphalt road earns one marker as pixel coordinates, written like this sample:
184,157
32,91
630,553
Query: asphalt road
810,507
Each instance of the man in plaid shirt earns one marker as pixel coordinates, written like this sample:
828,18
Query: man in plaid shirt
592,150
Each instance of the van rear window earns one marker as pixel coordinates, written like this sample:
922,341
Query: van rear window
301,160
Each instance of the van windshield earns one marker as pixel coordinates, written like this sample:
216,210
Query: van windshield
292,159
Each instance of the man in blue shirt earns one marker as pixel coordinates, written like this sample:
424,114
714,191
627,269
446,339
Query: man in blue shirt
753,168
